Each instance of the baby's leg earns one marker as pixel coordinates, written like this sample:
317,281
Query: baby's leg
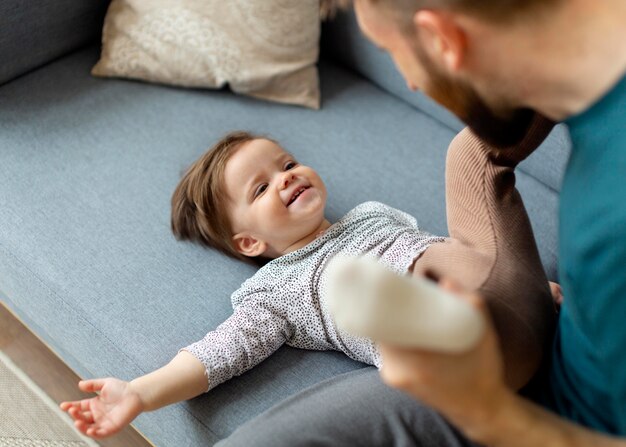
492,248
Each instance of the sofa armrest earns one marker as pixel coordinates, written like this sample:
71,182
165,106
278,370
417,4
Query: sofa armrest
35,32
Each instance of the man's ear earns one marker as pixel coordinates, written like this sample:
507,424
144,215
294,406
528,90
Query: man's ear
248,245
442,37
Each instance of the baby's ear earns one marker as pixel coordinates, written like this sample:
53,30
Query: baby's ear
248,245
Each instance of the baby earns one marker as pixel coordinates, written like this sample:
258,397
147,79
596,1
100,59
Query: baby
273,207
251,199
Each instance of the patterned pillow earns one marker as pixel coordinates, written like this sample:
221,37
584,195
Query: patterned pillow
262,48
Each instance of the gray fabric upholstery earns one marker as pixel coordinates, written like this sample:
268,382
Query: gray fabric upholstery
34,32
343,42
86,255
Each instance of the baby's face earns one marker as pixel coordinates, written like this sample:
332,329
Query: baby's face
274,202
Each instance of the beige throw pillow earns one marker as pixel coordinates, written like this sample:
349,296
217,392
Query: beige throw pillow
263,48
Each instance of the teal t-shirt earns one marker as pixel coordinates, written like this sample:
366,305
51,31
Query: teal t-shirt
588,373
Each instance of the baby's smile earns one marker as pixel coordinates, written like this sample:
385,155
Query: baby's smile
297,193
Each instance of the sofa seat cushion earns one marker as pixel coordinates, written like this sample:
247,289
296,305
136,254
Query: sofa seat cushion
87,258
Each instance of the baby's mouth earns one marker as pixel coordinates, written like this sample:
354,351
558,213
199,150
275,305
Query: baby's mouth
297,193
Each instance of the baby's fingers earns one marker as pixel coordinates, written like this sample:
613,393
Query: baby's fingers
82,405
79,410
95,430
65,406
91,386
92,430
79,415
103,431
83,426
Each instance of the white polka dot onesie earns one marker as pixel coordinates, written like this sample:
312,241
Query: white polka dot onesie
284,301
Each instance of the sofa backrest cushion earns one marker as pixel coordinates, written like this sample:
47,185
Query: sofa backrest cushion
35,32
344,43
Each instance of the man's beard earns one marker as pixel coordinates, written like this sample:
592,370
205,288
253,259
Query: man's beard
462,99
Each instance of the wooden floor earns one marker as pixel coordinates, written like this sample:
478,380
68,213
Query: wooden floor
49,372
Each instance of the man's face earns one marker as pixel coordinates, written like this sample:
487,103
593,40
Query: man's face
271,197
500,125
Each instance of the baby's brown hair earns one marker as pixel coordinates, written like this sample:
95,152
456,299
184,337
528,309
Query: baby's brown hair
199,201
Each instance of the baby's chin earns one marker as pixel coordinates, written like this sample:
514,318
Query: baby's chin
309,221
296,234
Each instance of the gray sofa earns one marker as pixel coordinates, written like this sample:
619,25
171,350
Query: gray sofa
87,168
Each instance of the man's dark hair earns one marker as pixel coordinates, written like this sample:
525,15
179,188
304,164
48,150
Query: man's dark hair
494,10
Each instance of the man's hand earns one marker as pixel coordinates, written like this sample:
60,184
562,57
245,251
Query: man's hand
557,293
106,414
468,388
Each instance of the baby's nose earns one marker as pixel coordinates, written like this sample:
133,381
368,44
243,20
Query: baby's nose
288,179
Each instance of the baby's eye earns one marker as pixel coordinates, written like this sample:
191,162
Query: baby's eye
260,190
290,165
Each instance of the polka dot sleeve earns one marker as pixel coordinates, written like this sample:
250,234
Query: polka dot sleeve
245,339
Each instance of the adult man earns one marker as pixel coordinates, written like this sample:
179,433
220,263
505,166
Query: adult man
492,63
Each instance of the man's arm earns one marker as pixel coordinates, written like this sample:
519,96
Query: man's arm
520,423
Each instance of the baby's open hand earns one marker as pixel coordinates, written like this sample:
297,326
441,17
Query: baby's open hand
106,414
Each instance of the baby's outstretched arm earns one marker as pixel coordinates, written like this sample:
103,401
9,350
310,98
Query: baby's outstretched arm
254,331
120,402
